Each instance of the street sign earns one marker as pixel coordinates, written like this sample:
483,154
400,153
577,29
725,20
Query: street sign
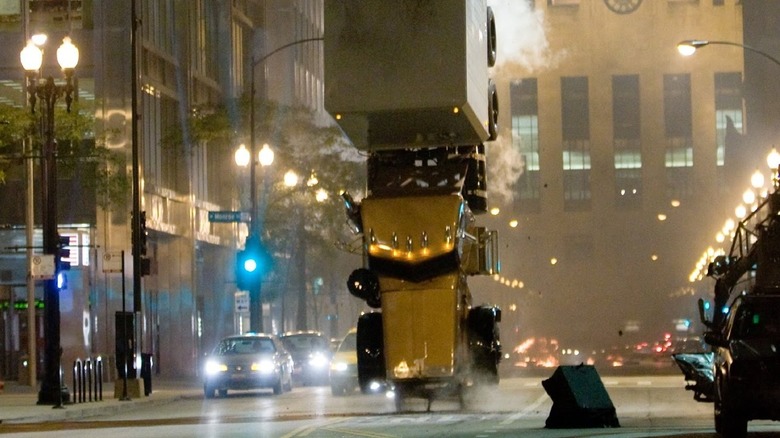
242,302
228,216
42,267
112,261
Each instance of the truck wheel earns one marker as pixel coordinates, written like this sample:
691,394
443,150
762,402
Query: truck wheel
718,404
728,423
732,425
492,111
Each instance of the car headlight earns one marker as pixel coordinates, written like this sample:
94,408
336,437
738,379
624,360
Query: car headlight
318,360
214,367
264,366
339,367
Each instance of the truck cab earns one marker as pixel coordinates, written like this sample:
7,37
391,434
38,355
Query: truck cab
747,363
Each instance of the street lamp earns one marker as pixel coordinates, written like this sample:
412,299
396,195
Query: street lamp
244,158
689,47
45,93
255,309
773,161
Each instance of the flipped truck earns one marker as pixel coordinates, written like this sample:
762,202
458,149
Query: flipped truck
743,380
408,83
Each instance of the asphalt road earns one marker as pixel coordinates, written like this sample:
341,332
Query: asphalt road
647,406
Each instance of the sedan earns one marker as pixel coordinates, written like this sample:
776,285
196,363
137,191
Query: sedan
249,361
311,353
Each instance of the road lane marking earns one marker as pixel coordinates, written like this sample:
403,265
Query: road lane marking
308,430
357,432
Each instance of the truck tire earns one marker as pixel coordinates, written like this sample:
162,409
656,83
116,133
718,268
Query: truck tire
728,421
733,425
491,37
370,350
484,343
492,111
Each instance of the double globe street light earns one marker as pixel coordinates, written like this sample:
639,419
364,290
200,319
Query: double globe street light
253,247
45,93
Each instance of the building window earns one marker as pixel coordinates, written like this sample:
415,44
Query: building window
678,128
626,141
563,2
575,119
525,138
728,110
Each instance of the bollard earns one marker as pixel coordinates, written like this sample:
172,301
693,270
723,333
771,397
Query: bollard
88,371
99,378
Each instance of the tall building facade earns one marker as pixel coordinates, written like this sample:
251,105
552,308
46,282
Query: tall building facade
189,53
626,168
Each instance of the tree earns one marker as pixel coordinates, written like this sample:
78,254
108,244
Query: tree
299,231
80,153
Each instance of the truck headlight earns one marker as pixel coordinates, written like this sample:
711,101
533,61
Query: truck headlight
339,367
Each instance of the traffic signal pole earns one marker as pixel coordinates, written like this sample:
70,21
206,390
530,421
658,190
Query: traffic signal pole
255,304
255,291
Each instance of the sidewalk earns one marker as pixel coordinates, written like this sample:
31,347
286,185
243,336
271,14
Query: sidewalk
18,403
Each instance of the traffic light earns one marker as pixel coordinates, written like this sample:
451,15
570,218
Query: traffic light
252,264
143,233
63,253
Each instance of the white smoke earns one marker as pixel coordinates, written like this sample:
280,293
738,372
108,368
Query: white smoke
521,41
523,50
505,165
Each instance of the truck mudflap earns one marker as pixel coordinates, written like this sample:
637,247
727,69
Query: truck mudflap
698,371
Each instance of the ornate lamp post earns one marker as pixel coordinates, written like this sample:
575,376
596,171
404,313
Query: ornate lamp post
245,158
773,161
45,93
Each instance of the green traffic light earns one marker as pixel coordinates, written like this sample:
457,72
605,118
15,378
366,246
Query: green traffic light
250,265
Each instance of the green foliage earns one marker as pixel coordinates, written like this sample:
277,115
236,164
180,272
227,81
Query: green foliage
291,218
80,154
15,126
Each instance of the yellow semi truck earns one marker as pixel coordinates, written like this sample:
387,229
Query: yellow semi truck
408,83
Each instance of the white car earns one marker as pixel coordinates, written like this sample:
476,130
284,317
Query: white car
250,361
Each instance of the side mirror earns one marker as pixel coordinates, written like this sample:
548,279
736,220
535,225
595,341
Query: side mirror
354,218
702,315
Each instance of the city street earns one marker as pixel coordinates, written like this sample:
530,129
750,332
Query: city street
647,406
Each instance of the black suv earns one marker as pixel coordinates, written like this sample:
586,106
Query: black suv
747,364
